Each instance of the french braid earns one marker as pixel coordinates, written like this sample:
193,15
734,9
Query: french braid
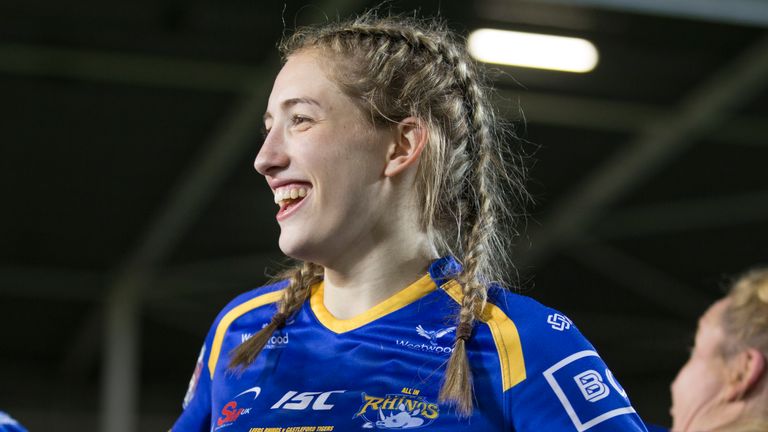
470,181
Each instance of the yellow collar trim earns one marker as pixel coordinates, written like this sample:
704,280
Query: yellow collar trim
230,317
505,335
408,295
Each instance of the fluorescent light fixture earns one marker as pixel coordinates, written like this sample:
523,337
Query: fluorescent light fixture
532,50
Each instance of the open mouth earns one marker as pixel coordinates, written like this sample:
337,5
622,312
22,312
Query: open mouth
289,198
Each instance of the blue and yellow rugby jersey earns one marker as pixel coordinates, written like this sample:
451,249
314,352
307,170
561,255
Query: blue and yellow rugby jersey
533,370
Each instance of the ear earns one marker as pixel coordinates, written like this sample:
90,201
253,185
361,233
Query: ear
410,137
747,368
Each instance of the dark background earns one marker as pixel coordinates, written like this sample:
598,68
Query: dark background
131,212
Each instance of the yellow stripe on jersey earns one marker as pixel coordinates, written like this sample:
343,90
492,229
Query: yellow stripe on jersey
406,296
230,317
504,334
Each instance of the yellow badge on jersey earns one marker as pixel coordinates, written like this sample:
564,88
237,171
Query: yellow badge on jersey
397,411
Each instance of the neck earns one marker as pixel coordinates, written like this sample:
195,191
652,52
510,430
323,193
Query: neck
376,269
715,417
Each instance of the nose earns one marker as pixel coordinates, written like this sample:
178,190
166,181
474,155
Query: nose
272,156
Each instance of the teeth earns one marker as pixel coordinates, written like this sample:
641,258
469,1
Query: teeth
289,193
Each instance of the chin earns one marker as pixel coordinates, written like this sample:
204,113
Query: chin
297,248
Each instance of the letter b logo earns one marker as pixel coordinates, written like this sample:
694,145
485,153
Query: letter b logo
591,385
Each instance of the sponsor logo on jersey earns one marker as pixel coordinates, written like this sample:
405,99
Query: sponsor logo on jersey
314,401
397,411
432,336
279,338
238,406
194,380
591,384
559,322
587,390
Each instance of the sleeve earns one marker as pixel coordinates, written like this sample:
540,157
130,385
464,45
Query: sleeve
8,424
568,387
196,416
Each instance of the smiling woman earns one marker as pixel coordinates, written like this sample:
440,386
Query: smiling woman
398,193
315,133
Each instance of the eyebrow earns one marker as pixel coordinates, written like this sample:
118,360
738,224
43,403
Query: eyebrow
294,101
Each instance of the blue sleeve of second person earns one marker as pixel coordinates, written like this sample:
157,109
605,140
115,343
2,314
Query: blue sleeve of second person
196,416
8,424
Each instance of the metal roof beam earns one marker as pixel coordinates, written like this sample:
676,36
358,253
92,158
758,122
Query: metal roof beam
641,279
125,68
684,215
166,72
660,141
614,116
742,12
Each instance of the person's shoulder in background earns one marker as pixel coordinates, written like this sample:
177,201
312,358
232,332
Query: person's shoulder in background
8,424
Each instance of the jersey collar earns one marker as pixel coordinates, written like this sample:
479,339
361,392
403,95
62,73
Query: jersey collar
440,272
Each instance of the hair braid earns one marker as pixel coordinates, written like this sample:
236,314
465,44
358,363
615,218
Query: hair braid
458,384
457,388
300,279
470,181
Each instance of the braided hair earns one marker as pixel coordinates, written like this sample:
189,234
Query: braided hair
468,177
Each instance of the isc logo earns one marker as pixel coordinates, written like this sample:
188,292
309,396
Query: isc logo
301,401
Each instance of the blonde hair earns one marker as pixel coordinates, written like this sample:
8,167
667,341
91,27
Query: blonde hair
745,319
469,178
745,324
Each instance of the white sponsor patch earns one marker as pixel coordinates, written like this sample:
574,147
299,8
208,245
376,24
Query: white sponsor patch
587,390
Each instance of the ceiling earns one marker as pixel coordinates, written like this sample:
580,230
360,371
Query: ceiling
131,212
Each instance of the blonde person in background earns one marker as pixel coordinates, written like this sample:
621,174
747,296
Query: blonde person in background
724,385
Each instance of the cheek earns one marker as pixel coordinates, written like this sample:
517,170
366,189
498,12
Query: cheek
681,384
697,380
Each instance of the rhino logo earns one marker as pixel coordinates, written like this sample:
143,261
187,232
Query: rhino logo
400,420
397,411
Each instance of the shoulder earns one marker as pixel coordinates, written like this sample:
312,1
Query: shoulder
8,424
538,330
544,336
251,300
561,375
539,326
527,335
249,306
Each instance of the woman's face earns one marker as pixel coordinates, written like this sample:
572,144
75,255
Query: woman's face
698,388
324,162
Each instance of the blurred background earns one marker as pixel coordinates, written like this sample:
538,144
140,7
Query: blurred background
131,213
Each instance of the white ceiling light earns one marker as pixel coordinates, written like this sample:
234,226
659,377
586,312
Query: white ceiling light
532,50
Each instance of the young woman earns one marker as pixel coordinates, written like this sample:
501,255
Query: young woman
724,385
396,193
